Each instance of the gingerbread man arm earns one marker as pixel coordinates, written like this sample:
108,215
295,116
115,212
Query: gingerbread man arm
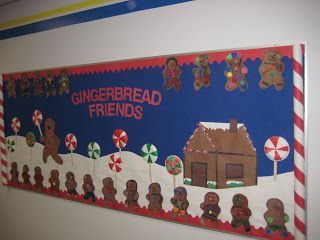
185,205
136,196
125,193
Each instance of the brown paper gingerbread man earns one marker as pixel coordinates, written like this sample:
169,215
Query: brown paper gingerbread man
210,207
26,175
240,212
14,173
71,184
38,85
276,217
109,192
180,202
271,69
38,177
51,142
154,197
131,194
64,82
54,181
24,85
88,188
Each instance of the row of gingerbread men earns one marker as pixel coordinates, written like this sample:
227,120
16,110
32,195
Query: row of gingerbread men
38,85
274,216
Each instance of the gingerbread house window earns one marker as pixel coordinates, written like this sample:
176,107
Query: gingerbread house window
234,171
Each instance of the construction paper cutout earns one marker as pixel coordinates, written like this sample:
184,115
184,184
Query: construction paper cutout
235,73
15,125
71,143
11,88
26,175
180,203
202,72
71,184
64,82
38,84
131,194
277,149
271,69
154,197
94,152
115,164
149,153
88,188
228,142
11,145
50,84
51,142
37,119
174,167
30,140
109,192
210,207
120,138
276,217
54,181
171,74
240,212
24,85
38,177
14,173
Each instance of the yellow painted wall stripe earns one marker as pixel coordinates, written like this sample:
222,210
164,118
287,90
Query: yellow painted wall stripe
50,13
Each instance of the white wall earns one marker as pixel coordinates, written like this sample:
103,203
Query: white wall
195,26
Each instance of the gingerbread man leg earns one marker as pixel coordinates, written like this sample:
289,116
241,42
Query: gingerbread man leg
57,158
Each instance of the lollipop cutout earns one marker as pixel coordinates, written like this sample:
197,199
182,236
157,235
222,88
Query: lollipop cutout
150,154
37,119
120,139
174,167
16,125
71,143
94,153
277,149
11,146
30,140
115,164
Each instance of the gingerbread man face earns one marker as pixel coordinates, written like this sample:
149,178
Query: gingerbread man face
211,198
54,174
271,57
108,182
37,170
132,185
275,205
14,166
70,176
154,188
25,168
87,179
172,63
49,126
180,193
240,200
202,61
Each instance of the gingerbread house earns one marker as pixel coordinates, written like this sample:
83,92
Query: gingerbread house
220,155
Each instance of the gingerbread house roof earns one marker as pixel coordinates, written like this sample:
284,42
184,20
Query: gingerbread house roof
221,138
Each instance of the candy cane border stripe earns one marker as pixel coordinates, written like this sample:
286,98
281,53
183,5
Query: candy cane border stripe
299,154
4,169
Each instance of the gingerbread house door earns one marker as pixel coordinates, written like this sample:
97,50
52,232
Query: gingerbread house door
199,174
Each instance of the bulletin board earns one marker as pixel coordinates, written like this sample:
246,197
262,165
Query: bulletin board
210,139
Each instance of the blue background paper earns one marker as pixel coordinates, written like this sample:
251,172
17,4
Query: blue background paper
168,126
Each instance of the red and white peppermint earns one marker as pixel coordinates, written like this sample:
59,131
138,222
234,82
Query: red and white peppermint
37,118
120,138
3,152
71,142
15,124
276,148
115,162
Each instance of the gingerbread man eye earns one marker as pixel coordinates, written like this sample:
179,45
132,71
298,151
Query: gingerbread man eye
197,59
278,56
229,57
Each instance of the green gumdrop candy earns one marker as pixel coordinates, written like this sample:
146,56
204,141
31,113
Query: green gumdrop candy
229,56
269,219
271,74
